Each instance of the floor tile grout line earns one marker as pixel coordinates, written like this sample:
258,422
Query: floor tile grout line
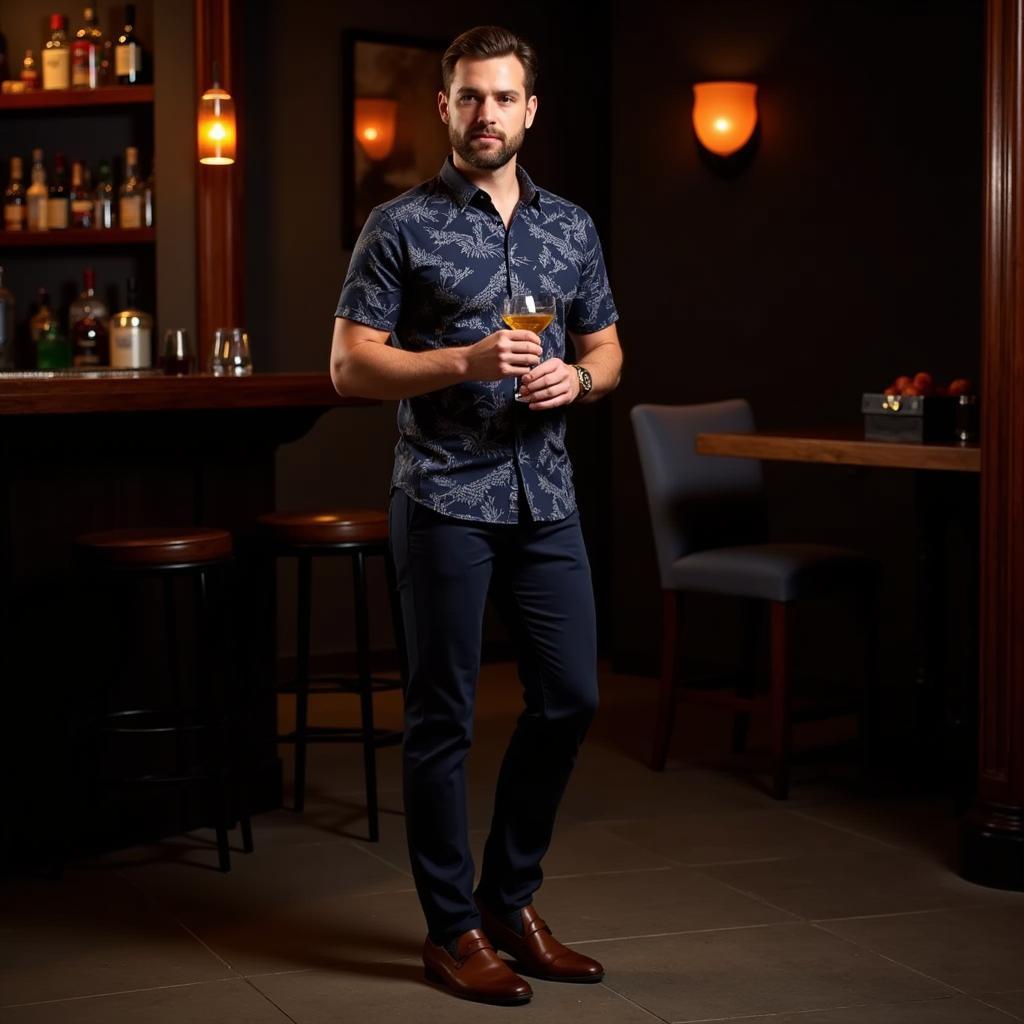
751,895
890,959
378,857
815,1009
900,913
848,831
611,871
121,992
686,931
633,1002
263,995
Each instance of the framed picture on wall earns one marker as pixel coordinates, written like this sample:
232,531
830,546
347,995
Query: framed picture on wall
392,136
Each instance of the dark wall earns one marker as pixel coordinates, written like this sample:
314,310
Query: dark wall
846,252
295,261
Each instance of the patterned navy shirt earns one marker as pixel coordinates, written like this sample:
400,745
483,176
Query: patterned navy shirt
432,267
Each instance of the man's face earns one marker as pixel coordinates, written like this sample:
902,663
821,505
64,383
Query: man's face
487,110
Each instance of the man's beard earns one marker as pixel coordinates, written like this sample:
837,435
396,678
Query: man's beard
485,160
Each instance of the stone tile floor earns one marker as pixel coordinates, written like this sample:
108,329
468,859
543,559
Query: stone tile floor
705,899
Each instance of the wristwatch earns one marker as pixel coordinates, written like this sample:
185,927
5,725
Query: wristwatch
586,381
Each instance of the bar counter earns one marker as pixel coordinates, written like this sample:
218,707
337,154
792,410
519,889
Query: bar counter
85,452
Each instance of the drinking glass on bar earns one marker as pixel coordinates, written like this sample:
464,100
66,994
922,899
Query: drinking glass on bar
231,357
177,357
527,311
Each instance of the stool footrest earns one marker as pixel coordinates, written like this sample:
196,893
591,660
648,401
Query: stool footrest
342,734
340,684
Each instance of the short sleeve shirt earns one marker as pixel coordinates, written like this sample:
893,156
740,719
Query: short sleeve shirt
433,267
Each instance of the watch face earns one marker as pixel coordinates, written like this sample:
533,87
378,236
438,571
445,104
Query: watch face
586,381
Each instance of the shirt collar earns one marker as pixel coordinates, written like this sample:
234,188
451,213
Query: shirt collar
464,191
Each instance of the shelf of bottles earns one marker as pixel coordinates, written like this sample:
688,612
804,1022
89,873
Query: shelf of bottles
77,220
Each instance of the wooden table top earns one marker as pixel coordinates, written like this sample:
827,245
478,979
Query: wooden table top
62,395
841,448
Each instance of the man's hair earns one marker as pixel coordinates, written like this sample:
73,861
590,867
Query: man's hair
486,41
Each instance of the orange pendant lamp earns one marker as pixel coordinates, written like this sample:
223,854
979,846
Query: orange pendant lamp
375,126
724,115
216,125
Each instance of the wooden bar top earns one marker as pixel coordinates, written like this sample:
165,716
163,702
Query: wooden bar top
35,395
841,448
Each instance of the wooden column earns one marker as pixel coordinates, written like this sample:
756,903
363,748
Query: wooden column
993,831
220,237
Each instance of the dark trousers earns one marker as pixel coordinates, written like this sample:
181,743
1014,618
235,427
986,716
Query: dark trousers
538,577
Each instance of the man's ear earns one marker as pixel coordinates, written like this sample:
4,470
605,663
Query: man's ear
531,110
442,106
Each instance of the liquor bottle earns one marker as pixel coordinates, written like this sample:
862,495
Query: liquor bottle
38,194
148,197
57,55
15,209
6,326
29,71
130,210
103,200
52,350
5,68
80,197
41,319
57,204
128,51
86,52
88,322
131,334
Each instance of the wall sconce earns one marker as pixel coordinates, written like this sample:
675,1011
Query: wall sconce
375,126
216,125
724,115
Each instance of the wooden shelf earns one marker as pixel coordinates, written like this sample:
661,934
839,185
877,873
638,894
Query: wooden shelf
58,99
77,237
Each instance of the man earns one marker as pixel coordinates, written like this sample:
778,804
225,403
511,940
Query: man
482,500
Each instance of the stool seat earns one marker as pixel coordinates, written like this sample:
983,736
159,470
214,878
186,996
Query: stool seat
156,546
324,528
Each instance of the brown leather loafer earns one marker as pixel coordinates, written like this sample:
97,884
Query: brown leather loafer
477,972
537,952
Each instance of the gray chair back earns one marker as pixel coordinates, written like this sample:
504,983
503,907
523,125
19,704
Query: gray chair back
697,502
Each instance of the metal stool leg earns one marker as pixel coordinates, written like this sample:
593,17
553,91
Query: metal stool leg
302,678
365,691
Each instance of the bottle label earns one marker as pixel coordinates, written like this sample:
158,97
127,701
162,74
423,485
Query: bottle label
131,211
14,217
56,68
128,59
83,64
130,347
81,213
37,210
57,213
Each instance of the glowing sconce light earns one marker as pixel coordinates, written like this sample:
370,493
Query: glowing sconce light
375,126
216,126
724,115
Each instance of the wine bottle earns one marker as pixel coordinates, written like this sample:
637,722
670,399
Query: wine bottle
41,318
80,197
131,334
6,326
128,51
130,196
88,325
29,71
38,194
52,349
57,208
15,209
85,52
149,197
104,215
57,55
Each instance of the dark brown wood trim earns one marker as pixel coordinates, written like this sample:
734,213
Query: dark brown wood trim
993,833
220,239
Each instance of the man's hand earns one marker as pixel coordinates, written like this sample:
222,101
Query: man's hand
550,385
503,354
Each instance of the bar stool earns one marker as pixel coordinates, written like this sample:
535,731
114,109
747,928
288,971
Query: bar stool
357,534
121,560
